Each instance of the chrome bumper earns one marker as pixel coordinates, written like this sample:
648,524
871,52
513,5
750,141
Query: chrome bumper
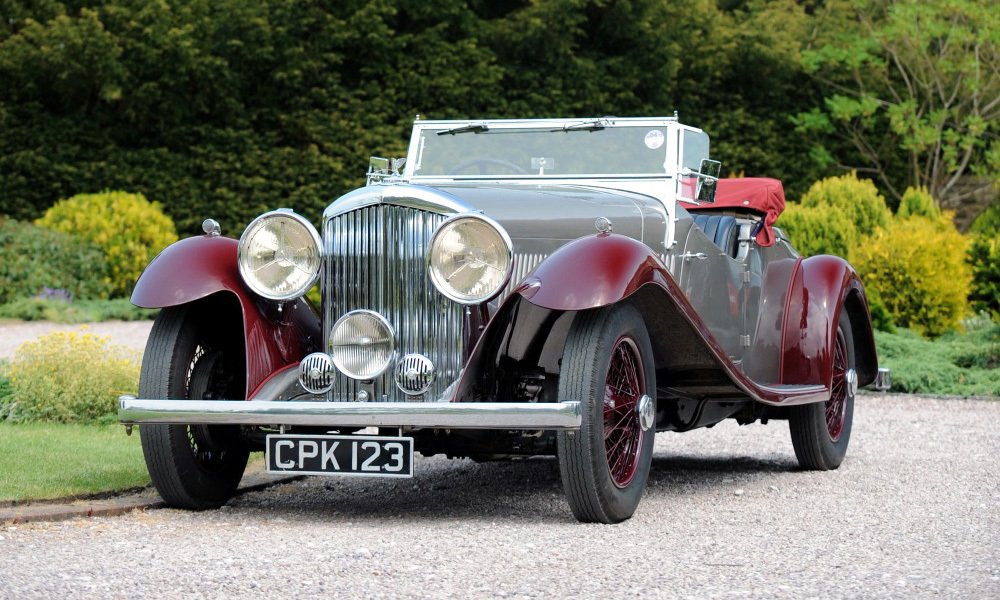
450,415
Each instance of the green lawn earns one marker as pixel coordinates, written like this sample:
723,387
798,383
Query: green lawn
39,460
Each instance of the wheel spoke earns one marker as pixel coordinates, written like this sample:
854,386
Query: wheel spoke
622,434
836,406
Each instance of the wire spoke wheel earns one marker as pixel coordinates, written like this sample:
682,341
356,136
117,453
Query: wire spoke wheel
622,433
608,366
821,431
192,466
836,406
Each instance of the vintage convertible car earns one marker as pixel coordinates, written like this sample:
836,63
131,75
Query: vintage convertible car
513,287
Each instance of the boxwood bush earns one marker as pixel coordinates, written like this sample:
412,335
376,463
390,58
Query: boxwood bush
858,199
33,258
916,268
129,229
818,230
69,377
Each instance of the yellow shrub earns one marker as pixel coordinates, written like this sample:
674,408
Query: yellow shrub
69,377
916,269
858,199
818,230
129,229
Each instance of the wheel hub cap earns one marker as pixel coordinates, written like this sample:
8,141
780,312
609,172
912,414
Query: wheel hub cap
647,412
851,379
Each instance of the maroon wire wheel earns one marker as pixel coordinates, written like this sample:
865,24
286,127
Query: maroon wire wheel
622,390
836,406
608,367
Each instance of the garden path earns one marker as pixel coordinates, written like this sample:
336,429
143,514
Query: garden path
132,334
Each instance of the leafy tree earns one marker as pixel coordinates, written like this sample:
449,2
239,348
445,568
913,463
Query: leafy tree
914,86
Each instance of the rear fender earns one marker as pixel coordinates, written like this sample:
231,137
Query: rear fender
192,270
801,304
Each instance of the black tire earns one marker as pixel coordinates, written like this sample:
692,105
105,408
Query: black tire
192,466
822,431
603,345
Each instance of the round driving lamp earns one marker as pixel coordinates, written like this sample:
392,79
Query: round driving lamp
279,255
362,344
470,258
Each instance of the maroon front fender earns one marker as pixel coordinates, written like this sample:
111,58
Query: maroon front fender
592,272
189,270
196,268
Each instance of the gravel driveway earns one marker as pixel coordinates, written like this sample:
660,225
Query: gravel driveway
132,334
913,512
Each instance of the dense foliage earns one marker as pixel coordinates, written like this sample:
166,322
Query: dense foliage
68,377
912,85
33,259
984,258
226,108
128,229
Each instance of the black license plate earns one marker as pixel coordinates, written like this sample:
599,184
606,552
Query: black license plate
360,455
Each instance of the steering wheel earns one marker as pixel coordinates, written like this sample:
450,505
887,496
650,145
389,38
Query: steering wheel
481,163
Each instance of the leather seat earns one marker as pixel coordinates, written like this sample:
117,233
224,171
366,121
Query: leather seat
721,229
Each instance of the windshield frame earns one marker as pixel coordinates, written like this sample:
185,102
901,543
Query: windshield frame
565,126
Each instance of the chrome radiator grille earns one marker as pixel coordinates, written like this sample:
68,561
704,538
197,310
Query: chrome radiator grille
376,260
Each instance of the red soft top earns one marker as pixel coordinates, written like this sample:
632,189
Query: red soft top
761,195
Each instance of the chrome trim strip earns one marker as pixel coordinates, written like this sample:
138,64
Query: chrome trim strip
451,415
405,195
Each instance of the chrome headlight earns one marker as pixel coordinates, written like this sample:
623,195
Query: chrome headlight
279,255
470,258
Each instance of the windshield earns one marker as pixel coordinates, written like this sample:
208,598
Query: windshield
585,149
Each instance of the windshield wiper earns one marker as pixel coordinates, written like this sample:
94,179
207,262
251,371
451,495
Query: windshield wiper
470,128
595,125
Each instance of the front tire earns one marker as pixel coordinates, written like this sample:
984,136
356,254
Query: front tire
192,466
822,431
608,366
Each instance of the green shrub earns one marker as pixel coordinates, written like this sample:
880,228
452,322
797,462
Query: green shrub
33,258
69,377
6,391
917,269
955,364
987,223
917,202
129,229
818,230
859,199
984,258
78,311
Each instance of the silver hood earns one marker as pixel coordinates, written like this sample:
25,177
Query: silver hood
538,218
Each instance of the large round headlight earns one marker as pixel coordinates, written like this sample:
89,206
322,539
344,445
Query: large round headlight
470,258
279,255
